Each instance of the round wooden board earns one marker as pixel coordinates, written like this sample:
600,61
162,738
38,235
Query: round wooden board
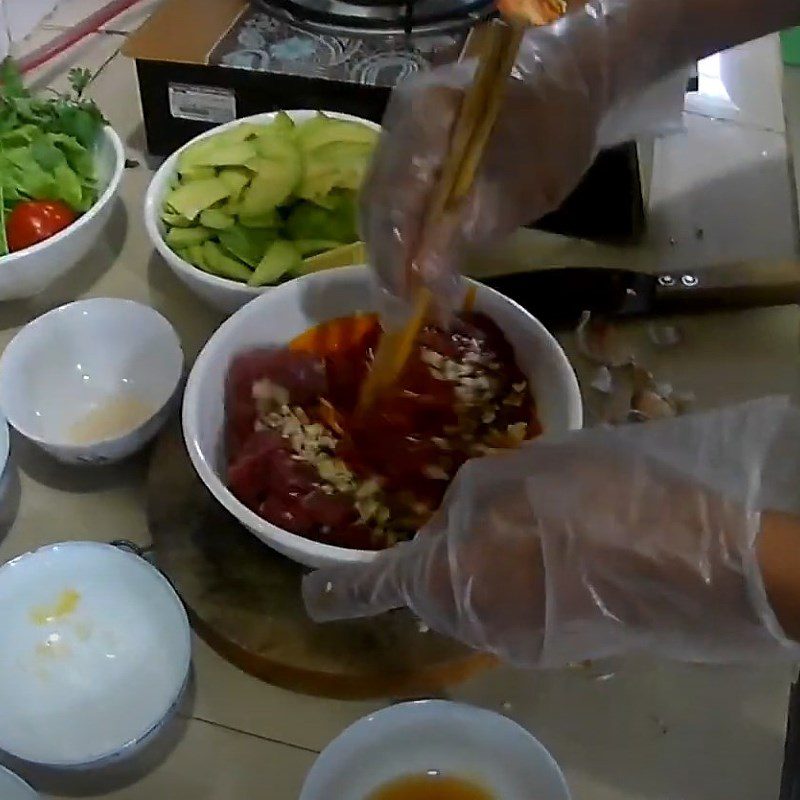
244,600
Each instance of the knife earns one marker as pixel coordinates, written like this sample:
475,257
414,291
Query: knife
790,774
558,296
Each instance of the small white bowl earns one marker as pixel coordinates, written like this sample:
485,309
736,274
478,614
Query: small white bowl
98,358
435,735
222,293
29,271
292,308
95,651
4,444
13,787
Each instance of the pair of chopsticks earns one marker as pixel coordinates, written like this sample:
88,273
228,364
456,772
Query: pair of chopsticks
477,115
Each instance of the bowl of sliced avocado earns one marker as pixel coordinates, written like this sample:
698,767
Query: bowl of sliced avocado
248,205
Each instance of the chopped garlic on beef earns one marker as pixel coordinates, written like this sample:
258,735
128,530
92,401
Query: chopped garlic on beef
367,488
431,357
435,472
518,431
265,389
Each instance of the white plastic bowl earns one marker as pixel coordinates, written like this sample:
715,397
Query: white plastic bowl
4,444
222,293
29,271
435,735
95,650
288,310
84,357
13,787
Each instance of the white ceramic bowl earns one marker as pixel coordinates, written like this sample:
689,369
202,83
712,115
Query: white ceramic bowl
113,361
26,272
277,317
4,444
95,651
435,735
224,294
14,788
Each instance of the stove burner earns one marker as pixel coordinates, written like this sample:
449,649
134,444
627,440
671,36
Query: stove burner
265,43
380,16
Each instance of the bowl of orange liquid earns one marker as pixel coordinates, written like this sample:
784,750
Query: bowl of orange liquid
435,750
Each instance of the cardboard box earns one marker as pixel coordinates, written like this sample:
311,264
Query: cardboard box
183,94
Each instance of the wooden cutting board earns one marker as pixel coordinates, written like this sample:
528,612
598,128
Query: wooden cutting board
244,600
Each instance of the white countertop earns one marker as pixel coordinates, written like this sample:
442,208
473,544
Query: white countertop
722,190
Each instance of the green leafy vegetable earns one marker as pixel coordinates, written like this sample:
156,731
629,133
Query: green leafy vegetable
47,143
3,240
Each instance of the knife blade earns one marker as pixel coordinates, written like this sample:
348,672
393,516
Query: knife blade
558,296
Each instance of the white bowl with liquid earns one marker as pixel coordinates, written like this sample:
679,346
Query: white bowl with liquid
14,788
95,652
91,382
441,737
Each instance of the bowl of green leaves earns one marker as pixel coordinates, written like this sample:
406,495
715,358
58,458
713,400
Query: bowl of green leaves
248,205
60,168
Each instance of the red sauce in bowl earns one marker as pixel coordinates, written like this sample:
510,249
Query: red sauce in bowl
301,457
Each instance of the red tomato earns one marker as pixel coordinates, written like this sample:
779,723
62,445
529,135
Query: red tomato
36,220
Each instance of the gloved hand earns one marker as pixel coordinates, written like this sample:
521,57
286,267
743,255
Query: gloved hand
573,92
544,140
598,542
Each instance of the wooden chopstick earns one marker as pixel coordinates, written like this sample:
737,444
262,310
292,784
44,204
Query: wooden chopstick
477,116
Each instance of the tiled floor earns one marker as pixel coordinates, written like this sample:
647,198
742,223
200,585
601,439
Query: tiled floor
71,12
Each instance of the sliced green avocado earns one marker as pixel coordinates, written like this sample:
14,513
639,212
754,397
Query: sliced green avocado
224,265
247,244
322,130
197,173
280,258
180,238
189,199
216,218
273,182
308,247
175,220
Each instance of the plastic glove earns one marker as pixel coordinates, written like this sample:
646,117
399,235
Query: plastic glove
575,80
597,543
532,161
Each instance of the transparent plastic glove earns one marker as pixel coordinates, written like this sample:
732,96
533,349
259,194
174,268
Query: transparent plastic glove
597,543
573,92
544,140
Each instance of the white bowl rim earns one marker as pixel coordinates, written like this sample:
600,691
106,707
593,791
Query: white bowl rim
26,329
294,541
151,202
462,711
21,782
108,193
187,640
5,443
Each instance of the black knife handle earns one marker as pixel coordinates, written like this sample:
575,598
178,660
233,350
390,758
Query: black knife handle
790,774
557,297
744,284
